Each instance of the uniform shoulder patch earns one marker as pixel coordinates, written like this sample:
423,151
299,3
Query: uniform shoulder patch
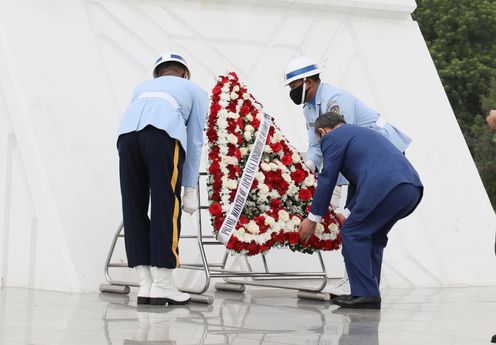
333,106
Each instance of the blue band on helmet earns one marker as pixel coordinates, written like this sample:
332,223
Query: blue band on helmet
158,60
174,56
300,71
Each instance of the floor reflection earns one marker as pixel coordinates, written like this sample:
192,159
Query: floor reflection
241,319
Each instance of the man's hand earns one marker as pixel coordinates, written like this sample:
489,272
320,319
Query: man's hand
341,218
307,229
190,202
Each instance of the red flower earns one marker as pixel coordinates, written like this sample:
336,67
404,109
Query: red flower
216,90
215,209
214,108
305,194
293,237
255,123
253,248
287,160
245,109
299,175
276,147
212,135
214,167
275,203
241,123
243,220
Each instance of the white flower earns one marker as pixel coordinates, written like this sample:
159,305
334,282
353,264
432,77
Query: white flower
292,189
246,95
225,88
258,106
231,184
249,128
283,215
252,227
225,96
276,227
244,151
296,158
333,228
260,176
222,140
269,220
236,88
278,136
319,229
263,188
232,139
249,117
309,181
232,115
231,160
290,225
273,166
241,230
223,103
223,149
247,136
267,149
223,113
296,220
274,194
286,177
234,95
265,166
222,122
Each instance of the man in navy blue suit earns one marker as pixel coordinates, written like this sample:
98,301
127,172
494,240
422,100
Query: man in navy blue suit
387,189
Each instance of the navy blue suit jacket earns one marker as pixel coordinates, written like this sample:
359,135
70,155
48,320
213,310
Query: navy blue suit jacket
366,159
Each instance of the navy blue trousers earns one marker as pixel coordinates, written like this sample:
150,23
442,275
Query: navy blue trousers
364,241
150,165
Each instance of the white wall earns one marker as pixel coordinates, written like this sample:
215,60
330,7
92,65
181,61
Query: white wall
67,71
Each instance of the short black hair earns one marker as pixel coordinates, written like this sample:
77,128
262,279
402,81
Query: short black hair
315,77
168,65
328,120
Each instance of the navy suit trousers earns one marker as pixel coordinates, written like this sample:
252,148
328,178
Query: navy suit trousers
364,241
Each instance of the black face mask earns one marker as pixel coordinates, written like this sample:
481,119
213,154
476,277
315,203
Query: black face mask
296,94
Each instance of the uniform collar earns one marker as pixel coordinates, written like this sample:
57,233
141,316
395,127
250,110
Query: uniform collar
317,99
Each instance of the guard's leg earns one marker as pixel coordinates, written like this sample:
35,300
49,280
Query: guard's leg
166,158
135,198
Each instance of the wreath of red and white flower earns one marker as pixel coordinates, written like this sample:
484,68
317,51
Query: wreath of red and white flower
282,191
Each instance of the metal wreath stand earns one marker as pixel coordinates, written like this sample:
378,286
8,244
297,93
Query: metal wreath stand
234,280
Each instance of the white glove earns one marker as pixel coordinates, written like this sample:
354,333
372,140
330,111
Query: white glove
190,201
336,198
310,165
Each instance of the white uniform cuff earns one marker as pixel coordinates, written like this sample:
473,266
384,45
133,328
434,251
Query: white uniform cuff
345,212
314,218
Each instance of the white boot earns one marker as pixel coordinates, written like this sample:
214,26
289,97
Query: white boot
163,290
145,283
342,287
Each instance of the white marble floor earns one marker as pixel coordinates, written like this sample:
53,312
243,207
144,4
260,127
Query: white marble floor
417,316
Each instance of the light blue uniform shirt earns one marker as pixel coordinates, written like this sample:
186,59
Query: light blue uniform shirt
177,106
354,111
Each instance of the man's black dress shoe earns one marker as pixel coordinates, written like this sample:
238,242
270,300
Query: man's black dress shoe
349,301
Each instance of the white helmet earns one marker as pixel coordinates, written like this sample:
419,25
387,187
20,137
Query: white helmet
169,56
299,68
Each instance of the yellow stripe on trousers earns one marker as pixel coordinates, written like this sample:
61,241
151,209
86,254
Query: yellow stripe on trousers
175,235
